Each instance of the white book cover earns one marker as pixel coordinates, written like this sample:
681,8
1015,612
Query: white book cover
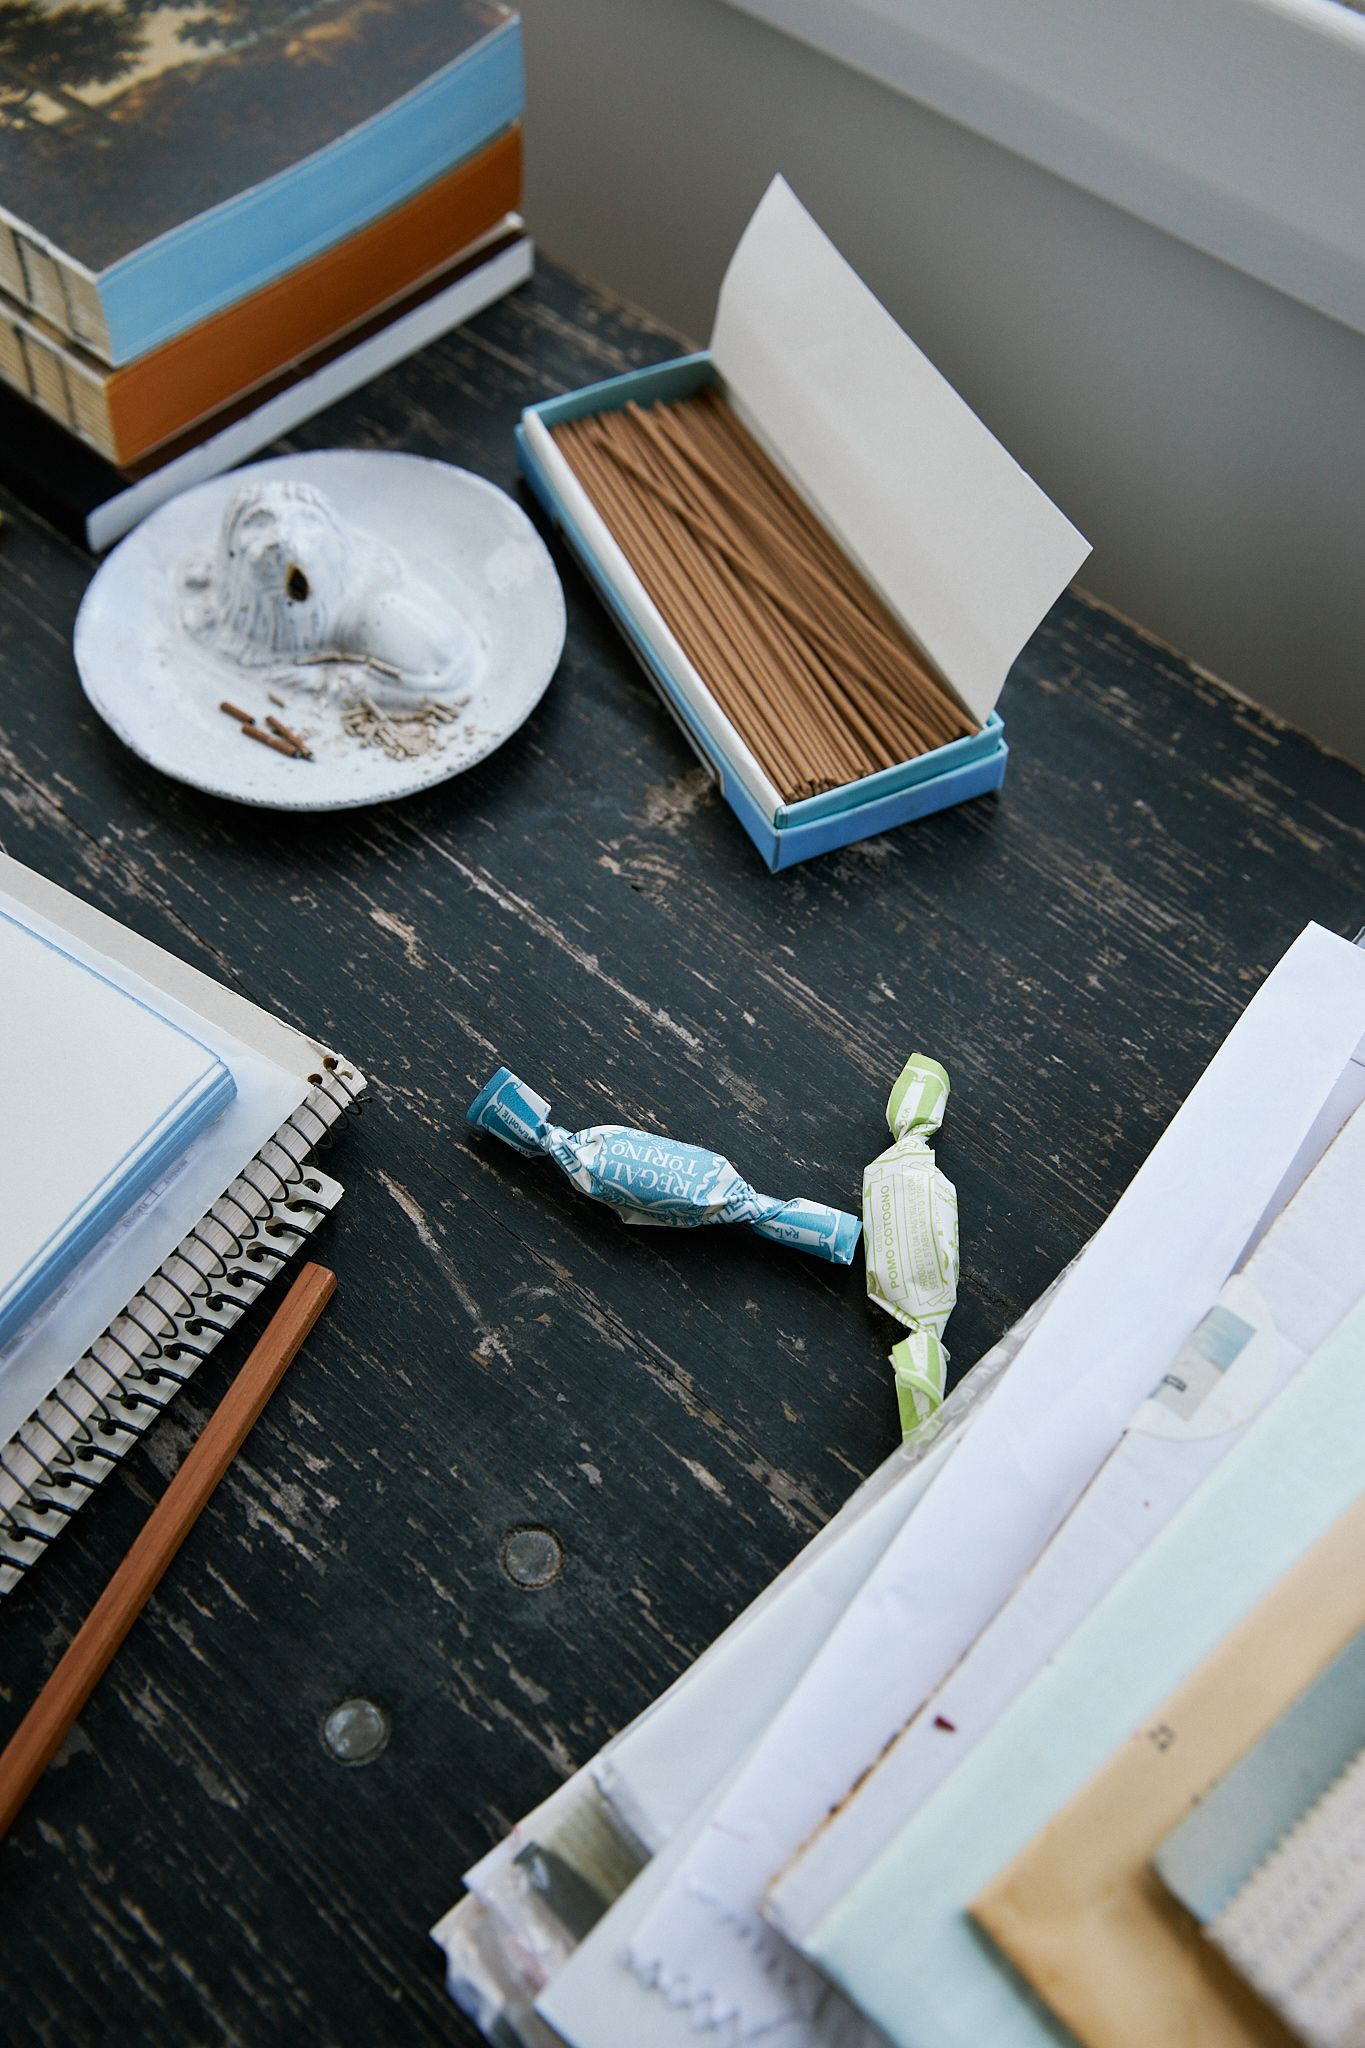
99,1094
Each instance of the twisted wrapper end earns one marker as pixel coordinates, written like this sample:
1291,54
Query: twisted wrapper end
919,1364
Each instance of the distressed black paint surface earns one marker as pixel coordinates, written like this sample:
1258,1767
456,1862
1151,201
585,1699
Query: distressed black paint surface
681,1411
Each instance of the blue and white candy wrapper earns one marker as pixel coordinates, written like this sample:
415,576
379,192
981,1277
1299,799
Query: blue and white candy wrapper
651,1179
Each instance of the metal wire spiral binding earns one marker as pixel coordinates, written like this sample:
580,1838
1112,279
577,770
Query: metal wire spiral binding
267,1194
149,1342
250,1221
174,1344
79,1423
65,1458
24,1486
29,1533
48,1474
20,1532
191,1311
150,1373
40,1503
238,1242
154,1337
159,1346
218,1283
16,1561
134,1358
110,1421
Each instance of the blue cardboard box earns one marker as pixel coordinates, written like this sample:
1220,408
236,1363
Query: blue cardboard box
964,548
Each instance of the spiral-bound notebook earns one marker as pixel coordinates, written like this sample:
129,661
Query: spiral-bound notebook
157,1173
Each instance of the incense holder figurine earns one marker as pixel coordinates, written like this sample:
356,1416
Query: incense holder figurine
291,585
325,629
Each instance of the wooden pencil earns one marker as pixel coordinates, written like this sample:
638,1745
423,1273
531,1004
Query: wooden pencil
43,1729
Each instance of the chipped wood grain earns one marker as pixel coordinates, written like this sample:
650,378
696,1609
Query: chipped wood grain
681,1411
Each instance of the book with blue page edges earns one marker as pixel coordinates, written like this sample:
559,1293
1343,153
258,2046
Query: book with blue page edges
159,162
99,1097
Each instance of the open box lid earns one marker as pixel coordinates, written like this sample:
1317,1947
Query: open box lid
963,546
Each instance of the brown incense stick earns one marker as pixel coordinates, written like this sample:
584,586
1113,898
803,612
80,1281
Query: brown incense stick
885,649
744,624
728,595
43,1729
801,559
660,557
646,545
802,656
782,654
843,697
730,444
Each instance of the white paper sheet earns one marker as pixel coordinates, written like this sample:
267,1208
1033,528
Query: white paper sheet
679,1751
597,2001
961,544
1307,1272
1055,1417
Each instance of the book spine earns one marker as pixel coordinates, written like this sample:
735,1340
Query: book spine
41,278
69,388
218,363
93,502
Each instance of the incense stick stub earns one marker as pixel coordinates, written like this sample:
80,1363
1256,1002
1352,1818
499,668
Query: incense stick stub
289,748
282,731
279,736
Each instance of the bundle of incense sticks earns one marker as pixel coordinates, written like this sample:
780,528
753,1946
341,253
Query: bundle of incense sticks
810,667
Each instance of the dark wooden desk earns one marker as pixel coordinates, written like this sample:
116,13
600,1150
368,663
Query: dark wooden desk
680,1412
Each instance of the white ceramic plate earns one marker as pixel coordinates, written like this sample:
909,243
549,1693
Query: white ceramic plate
160,690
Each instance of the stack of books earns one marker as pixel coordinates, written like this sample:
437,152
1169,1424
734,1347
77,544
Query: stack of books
215,220
1057,1732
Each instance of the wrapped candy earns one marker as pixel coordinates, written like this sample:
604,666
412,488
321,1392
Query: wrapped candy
652,1179
910,1233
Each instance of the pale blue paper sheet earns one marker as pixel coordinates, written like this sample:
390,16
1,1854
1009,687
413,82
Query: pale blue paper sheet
1210,1856
900,1942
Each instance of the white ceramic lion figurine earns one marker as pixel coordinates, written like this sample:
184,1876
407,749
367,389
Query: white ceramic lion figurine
289,582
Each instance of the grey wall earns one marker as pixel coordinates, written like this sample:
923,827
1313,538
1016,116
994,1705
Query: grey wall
1203,431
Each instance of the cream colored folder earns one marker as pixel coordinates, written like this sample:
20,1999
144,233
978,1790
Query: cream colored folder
1081,1913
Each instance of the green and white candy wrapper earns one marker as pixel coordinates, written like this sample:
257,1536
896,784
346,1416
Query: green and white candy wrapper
910,1235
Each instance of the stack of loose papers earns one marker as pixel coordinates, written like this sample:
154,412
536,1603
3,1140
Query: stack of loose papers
883,1806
